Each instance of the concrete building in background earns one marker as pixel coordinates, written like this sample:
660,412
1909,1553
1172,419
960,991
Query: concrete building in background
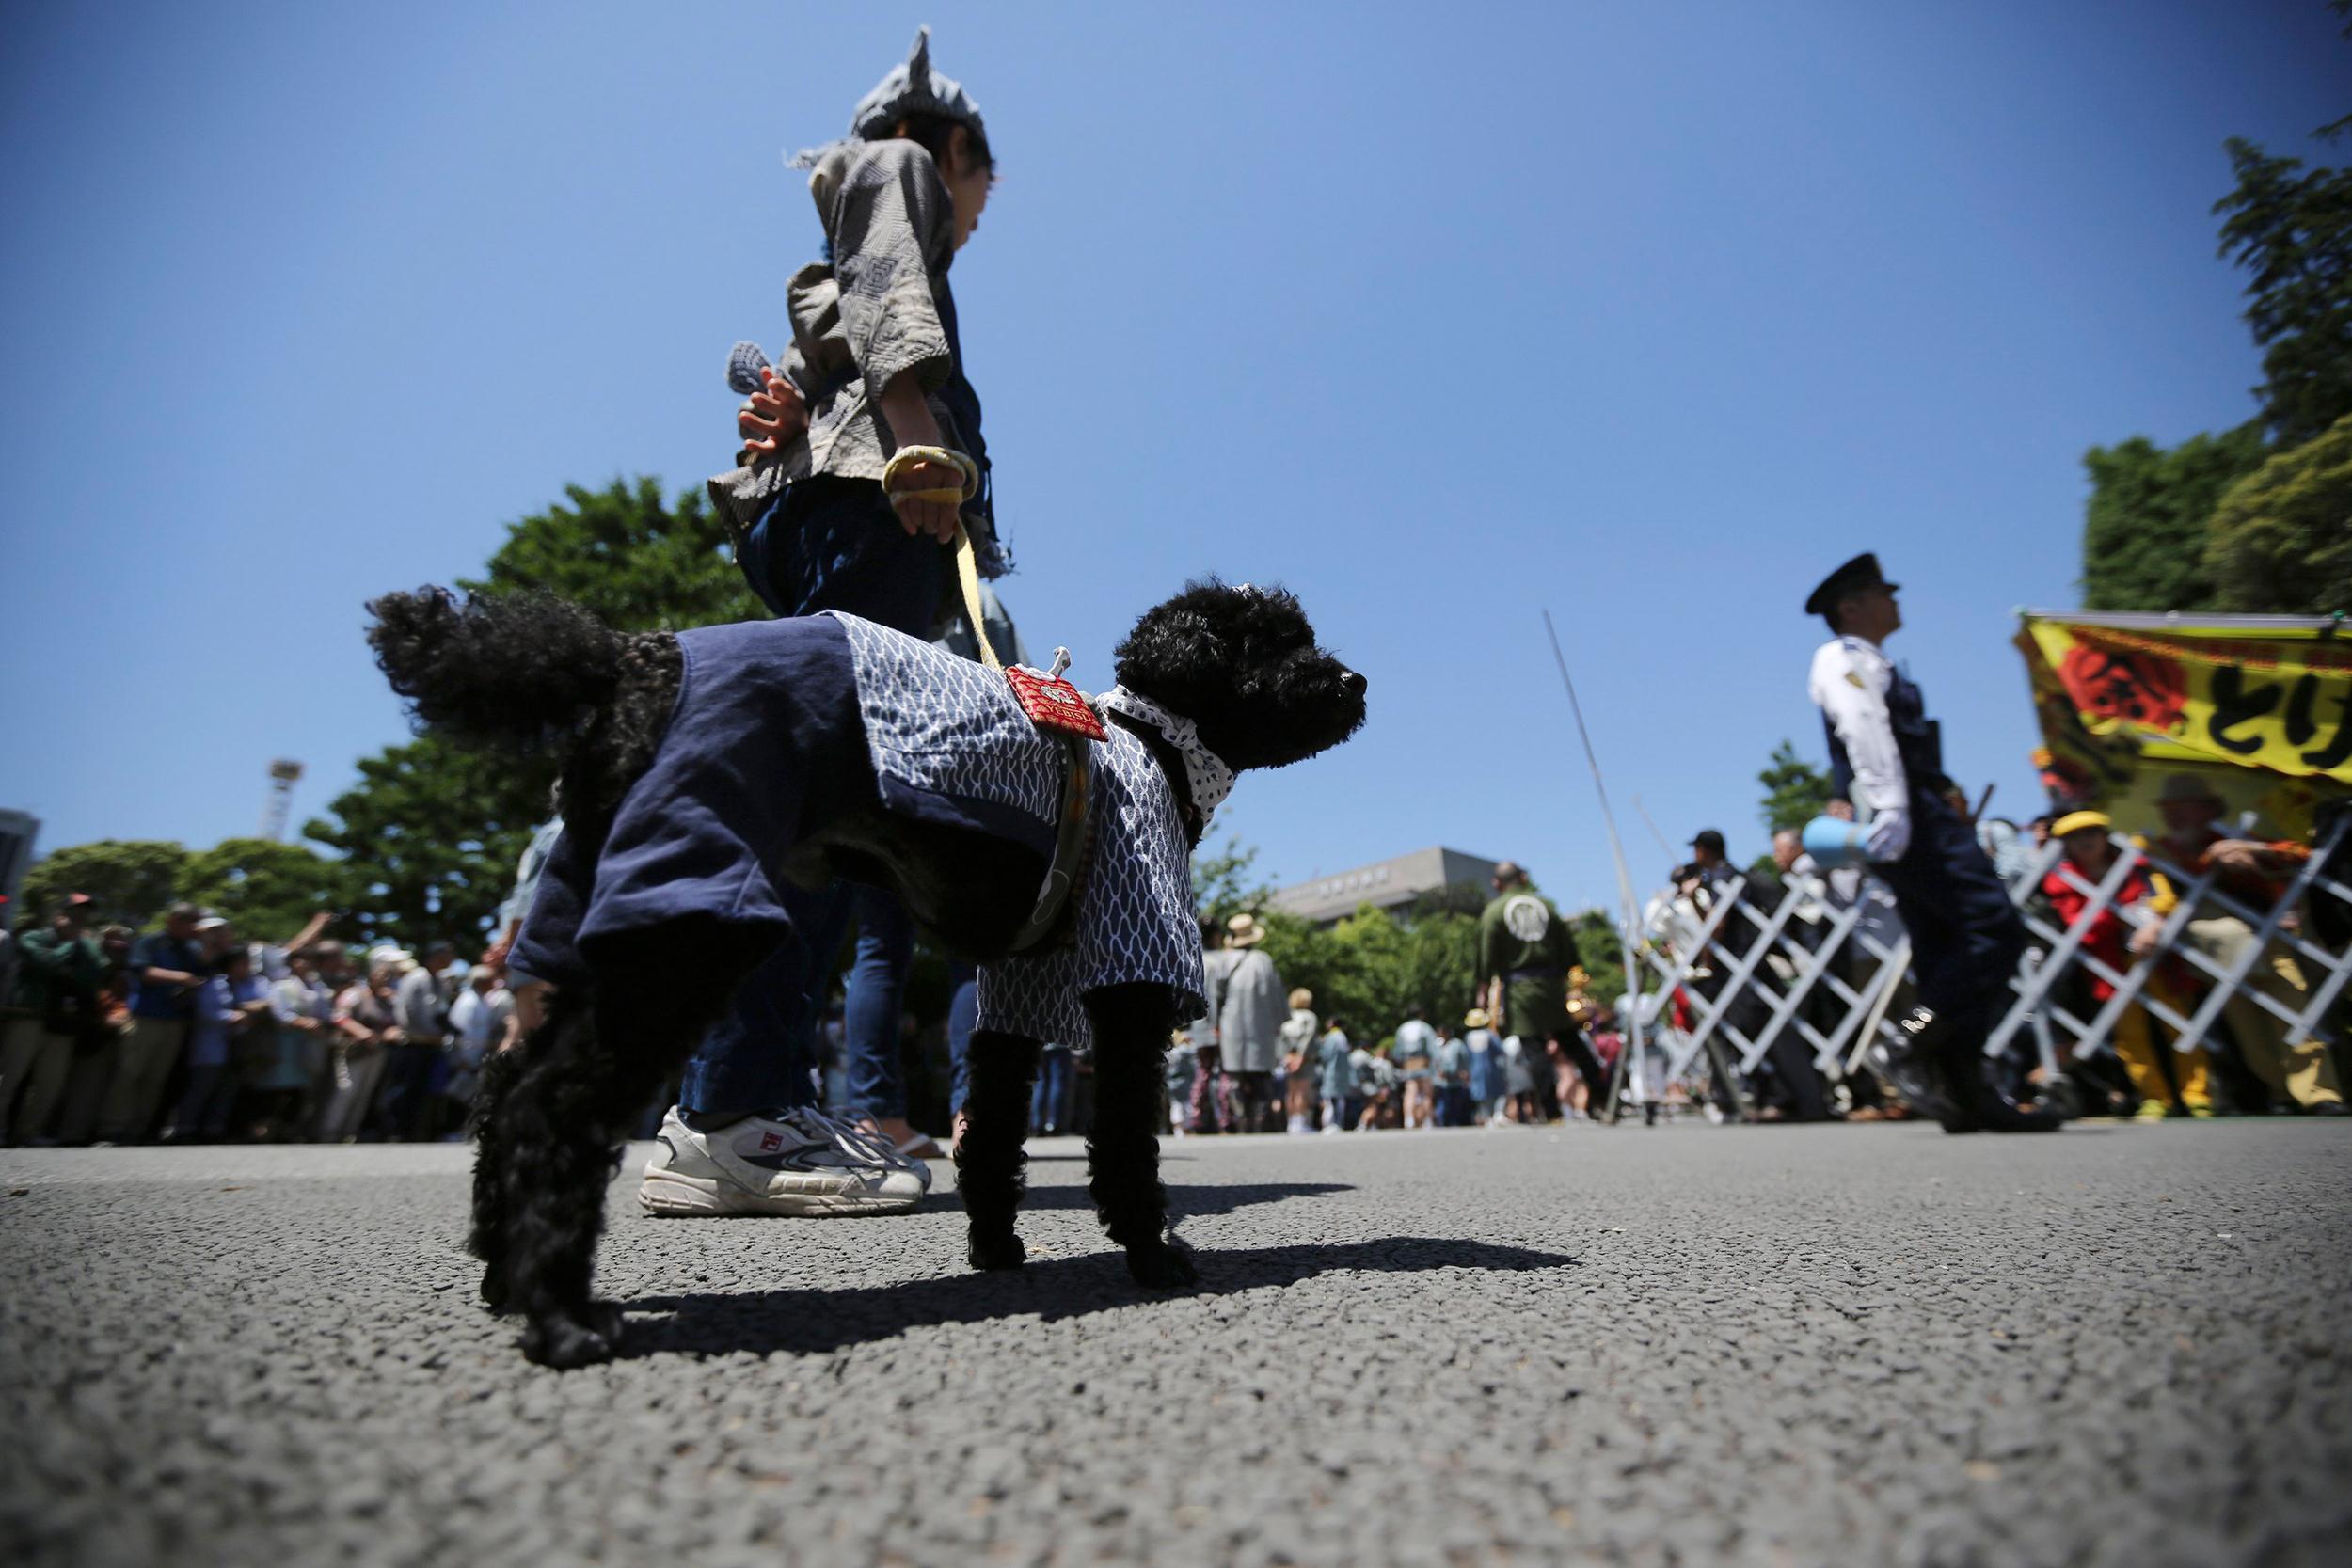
1384,884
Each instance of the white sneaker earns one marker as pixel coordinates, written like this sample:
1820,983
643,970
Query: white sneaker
802,1162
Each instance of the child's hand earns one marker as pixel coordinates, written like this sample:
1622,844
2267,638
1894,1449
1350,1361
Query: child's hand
772,419
926,497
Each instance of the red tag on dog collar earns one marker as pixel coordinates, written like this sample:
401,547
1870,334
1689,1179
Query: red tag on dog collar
1053,703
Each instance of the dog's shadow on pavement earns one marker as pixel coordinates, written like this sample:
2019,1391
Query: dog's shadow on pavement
811,1322
1183,1203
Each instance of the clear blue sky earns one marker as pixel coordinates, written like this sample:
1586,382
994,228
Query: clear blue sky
1438,314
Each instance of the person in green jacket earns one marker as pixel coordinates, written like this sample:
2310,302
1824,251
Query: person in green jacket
1525,950
56,985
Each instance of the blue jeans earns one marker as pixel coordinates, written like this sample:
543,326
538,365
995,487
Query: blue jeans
825,544
963,1015
758,1056
874,996
1049,1103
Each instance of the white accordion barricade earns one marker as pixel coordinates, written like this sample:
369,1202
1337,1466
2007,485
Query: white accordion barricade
1813,971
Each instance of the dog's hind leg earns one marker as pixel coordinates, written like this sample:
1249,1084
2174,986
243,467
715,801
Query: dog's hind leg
1130,1029
989,1157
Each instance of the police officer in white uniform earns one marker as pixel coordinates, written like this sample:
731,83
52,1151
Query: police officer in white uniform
1966,937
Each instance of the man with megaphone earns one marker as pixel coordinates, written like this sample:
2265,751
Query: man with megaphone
1887,755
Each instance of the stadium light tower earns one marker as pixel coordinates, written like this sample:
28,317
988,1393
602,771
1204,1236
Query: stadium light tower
283,775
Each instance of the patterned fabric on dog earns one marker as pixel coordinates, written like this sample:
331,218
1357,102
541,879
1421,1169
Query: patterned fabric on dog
945,734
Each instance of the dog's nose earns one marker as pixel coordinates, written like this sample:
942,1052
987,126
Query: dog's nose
1354,682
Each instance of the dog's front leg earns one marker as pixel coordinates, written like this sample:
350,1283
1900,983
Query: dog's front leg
989,1157
1131,1030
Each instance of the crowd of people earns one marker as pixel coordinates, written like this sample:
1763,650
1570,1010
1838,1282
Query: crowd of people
2251,1061
192,1033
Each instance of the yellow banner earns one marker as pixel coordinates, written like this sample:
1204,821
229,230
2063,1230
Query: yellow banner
2277,700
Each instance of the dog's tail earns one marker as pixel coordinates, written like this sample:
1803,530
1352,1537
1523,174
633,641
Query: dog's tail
509,670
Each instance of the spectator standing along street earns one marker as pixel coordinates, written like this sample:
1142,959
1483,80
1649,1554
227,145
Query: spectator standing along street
367,1023
60,970
1249,1024
1335,1075
2167,1080
405,1108
2298,1070
1217,967
1415,1048
1525,950
1300,1063
166,968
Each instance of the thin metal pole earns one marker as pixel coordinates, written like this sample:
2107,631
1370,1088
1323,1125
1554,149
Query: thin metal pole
1609,818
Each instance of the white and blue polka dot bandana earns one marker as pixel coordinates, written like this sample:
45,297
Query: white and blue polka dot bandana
1204,770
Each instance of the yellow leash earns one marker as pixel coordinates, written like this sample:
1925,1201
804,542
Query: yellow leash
967,559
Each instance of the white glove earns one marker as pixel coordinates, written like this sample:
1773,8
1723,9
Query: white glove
1889,836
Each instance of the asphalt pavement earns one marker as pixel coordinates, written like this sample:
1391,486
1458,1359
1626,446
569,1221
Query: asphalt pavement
1774,1345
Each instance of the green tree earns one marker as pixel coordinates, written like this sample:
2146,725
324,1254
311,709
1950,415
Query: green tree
1795,791
637,565
133,881
267,890
1222,886
2145,528
2292,228
431,835
1373,967
431,832
2282,539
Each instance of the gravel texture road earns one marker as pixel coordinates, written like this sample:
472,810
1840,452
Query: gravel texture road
2123,1344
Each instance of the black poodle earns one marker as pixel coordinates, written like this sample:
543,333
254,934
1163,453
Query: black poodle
703,769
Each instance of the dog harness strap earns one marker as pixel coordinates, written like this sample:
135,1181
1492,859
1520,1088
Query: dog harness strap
1069,844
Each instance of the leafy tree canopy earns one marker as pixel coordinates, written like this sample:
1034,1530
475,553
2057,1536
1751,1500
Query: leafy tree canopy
2145,528
433,833
1795,791
2281,541
1373,967
637,565
2291,228
133,881
1222,886
267,890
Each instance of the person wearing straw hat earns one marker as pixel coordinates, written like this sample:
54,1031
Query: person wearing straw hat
863,470
1250,1020
1966,937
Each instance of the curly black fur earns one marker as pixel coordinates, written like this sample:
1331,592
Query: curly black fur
1131,1031
990,1161
1242,664
486,1125
619,743
553,1135
530,671
508,669
534,672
